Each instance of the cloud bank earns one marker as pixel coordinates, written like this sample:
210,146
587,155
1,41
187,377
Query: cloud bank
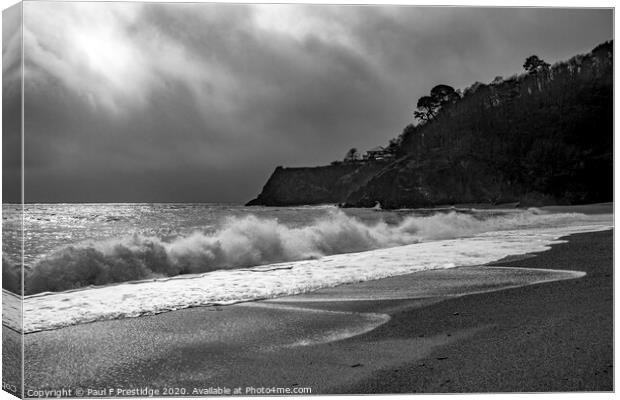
199,102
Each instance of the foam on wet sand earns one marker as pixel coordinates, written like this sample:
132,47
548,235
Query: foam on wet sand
54,310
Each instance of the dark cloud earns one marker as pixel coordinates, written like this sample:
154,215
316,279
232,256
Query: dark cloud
11,105
199,102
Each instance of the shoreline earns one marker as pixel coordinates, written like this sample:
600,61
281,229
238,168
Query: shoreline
53,310
192,354
45,311
555,337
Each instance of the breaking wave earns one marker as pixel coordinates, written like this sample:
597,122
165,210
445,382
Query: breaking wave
11,275
249,241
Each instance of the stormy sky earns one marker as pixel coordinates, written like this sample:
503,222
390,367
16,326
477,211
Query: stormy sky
128,102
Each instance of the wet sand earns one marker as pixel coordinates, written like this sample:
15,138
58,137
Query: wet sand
552,337
548,336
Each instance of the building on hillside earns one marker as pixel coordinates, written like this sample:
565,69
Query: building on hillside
378,153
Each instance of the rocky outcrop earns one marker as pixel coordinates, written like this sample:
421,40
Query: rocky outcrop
315,185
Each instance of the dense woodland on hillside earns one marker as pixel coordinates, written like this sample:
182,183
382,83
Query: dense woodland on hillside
545,136
550,130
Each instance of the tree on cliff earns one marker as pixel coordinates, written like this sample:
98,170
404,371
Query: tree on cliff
429,106
393,145
352,155
444,94
534,65
427,109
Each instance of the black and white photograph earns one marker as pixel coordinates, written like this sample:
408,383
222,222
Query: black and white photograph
228,199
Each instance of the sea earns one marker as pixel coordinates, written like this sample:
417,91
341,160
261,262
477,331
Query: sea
91,262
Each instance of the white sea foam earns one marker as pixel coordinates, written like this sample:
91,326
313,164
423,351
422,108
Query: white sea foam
226,286
247,241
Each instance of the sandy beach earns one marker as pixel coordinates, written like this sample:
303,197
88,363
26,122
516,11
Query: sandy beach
478,330
552,337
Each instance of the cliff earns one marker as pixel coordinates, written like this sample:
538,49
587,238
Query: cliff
421,183
545,137
315,185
